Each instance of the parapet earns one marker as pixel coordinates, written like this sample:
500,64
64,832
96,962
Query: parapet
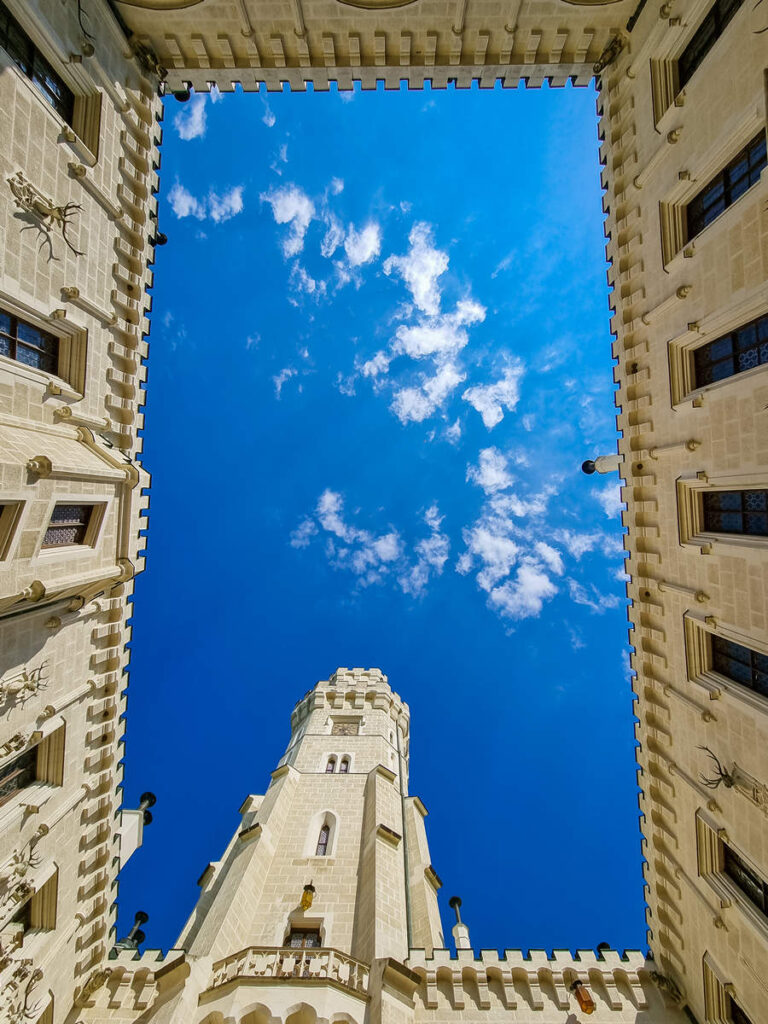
533,979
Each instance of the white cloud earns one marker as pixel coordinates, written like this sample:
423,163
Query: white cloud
279,379
578,544
363,246
491,400
219,208
523,597
334,236
291,205
441,335
336,186
591,597
377,364
420,268
414,404
190,121
226,206
303,534
452,433
303,283
431,555
252,340
503,264
269,118
215,94
184,204
610,499
551,556
491,471
528,421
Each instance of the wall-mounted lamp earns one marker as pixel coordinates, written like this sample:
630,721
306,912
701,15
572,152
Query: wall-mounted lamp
583,998
307,896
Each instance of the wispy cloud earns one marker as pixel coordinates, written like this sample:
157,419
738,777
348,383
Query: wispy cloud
280,378
610,500
420,268
491,472
491,400
363,246
216,207
292,206
414,404
375,557
190,122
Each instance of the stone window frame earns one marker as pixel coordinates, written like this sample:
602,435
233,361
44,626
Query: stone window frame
320,820
718,992
675,245
699,663
93,534
665,84
690,493
51,746
680,349
11,511
85,128
43,907
69,381
711,840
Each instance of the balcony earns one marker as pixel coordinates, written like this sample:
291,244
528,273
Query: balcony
276,963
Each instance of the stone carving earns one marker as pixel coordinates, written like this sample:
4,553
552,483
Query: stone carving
721,777
18,864
96,980
16,743
609,54
668,987
16,1003
299,964
22,685
46,213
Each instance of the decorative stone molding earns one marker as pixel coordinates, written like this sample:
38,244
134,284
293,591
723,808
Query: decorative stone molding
72,294
309,965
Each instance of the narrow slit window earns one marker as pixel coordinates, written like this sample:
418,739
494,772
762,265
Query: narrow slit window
28,59
741,664
736,512
715,22
68,525
741,349
727,186
344,766
27,344
322,841
330,767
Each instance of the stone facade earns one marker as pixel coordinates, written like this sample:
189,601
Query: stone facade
70,435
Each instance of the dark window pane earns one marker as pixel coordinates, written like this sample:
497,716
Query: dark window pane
736,1013
726,187
5,346
750,883
31,62
712,27
742,665
18,774
68,525
711,362
5,321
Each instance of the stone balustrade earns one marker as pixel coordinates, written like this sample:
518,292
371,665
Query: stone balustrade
275,962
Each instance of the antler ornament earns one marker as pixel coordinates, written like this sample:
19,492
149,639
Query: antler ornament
46,213
722,776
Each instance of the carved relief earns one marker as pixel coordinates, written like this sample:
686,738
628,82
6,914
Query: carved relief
45,213
23,685
16,996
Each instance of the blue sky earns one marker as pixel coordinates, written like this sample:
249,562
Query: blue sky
380,352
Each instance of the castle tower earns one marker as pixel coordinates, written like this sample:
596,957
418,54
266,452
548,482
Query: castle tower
337,817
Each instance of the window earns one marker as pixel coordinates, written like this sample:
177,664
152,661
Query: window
737,1015
27,344
742,349
18,774
747,880
709,31
38,911
726,187
346,728
720,1003
330,768
740,664
303,938
28,59
344,766
322,841
744,512
68,525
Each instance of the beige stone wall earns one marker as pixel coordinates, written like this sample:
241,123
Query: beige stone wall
70,436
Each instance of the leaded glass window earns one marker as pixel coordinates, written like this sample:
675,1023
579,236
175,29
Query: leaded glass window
18,774
746,878
27,344
28,59
344,766
704,38
68,525
740,664
741,349
330,768
322,841
303,938
727,186
744,512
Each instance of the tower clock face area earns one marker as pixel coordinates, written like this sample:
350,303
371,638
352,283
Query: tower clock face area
396,301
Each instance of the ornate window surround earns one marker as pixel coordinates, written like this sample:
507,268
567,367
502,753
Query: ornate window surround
681,348
84,130
690,510
69,382
711,840
675,244
698,654
50,773
91,542
717,992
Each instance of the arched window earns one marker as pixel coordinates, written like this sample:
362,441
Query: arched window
344,766
322,841
330,768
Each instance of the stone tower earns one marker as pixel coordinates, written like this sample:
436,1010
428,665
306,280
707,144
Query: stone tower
337,816
323,907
